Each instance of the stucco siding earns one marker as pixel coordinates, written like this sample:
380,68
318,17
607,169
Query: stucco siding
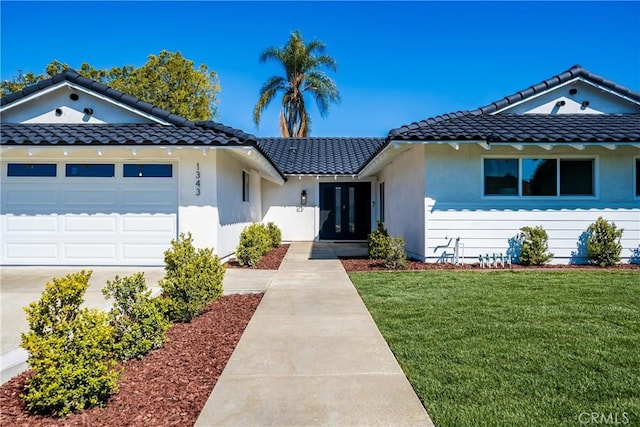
234,214
281,205
456,206
404,181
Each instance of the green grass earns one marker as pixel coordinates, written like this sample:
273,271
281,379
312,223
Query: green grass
513,348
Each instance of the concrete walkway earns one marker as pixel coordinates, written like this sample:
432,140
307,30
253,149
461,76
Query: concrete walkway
312,355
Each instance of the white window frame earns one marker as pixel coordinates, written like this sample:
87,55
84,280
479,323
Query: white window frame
381,201
558,158
246,186
636,172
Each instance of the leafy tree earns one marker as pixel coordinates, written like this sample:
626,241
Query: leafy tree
302,63
168,80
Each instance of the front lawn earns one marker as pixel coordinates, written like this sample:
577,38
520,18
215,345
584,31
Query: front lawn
514,348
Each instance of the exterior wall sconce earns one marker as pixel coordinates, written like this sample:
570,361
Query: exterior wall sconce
303,198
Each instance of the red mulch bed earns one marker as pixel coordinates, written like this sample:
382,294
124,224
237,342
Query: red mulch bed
169,386
354,264
270,261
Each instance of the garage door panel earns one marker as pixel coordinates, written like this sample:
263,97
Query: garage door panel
23,200
90,251
37,252
149,200
90,198
31,223
154,223
94,224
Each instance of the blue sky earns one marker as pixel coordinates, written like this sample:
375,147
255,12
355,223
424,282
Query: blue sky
399,62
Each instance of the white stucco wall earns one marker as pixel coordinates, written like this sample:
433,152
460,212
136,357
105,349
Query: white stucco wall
457,208
281,205
234,214
198,213
404,180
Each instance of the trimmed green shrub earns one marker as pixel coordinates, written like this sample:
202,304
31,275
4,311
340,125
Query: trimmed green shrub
535,246
603,243
193,280
69,350
138,324
255,241
378,242
395,258
275,235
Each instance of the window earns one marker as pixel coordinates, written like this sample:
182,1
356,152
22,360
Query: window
147,171
500,177
101,170
245,186
576,177
31,169
381,203
533,177
638,177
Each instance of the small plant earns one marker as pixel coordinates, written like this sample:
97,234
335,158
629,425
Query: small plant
534,249
193,280
275,235
69,349
255,241
138,324
603,243
395,257
378,242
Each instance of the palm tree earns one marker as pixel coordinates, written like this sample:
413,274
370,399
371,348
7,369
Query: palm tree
302,63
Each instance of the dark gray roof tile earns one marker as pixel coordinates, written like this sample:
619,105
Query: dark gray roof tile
529,128
322,156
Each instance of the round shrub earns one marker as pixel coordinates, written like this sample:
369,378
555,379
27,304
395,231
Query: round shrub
255,241
275,235
395,258
69,349
379,242
535,246
193,279
138,324
603,243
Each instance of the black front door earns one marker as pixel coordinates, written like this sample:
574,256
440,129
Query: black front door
345,211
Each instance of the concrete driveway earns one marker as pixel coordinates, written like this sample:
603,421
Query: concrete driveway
20,286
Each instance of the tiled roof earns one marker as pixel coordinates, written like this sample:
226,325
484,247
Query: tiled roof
475,122
72,76
570,74
117,134
331,156
528,128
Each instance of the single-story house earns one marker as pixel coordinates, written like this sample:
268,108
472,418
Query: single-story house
93,176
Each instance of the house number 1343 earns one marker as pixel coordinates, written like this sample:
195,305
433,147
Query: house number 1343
197,179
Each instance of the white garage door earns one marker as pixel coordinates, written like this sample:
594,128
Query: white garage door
87,214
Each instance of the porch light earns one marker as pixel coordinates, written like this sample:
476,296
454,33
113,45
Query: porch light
303,198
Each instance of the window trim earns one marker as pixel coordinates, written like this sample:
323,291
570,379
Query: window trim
115,165
246,187
636,170
558,158
8,164
125,164
381,201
